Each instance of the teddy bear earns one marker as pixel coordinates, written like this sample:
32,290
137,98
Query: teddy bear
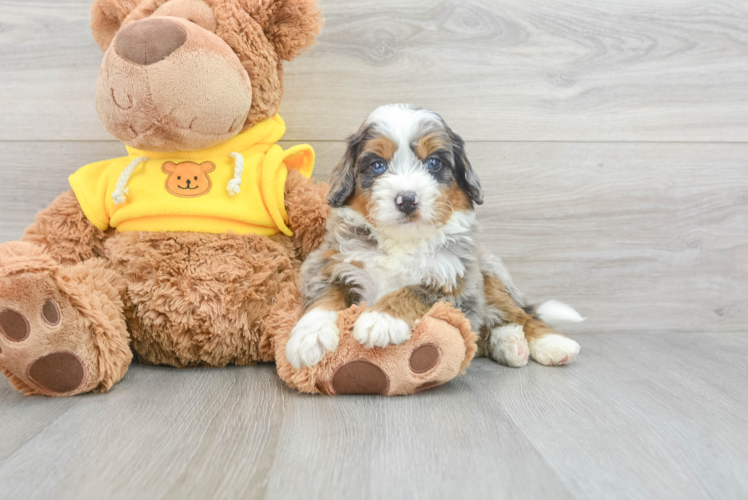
186,251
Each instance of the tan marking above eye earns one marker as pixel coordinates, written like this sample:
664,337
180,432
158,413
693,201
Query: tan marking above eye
429,143
383,147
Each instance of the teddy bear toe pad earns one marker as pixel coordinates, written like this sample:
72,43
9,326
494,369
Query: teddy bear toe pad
424,358
14,325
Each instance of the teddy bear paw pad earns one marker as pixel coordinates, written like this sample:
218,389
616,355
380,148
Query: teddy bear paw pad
59,372
360,377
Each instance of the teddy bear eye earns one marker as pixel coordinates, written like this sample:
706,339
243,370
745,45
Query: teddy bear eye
195,177
179,177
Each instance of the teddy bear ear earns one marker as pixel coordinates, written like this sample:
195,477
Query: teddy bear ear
290,25
107,17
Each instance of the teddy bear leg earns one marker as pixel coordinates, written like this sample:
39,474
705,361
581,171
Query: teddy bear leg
440,348
62,329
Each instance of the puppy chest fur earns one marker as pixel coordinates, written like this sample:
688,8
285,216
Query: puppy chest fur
403,228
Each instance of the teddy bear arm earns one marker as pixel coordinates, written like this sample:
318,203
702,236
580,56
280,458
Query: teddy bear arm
307,209
64,232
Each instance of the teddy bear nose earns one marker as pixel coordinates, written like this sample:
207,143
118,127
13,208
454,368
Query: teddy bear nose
150,40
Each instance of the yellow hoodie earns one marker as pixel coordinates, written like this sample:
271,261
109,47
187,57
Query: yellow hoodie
236,186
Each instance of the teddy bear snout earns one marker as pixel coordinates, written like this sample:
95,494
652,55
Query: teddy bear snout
150,40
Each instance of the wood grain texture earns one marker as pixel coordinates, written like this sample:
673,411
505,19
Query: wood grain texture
637,417
634,70
612,142
638,237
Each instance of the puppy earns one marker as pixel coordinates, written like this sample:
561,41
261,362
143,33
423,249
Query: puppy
402,236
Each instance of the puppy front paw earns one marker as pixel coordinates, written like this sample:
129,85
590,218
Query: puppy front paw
375,329
314,335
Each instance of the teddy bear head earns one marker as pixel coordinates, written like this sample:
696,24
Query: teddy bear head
190,74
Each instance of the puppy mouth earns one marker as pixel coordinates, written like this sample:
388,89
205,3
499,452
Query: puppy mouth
410,218
187,187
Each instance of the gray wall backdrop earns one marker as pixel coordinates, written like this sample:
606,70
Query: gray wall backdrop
612,139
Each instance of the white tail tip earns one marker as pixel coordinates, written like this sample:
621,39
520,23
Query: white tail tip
553,311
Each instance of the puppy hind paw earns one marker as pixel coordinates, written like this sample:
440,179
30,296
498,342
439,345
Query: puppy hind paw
554,350
508,345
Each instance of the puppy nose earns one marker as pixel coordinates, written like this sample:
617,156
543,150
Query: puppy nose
150,40
406,202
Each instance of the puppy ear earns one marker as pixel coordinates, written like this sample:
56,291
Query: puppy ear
290,25
343,177
107,17
467,179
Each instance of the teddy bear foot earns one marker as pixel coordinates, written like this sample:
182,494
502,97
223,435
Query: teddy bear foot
440,348
427,369
37,352
46,345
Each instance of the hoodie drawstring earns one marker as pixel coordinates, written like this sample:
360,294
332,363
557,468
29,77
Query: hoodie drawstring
233,187
120,190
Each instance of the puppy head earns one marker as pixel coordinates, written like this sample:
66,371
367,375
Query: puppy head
405,168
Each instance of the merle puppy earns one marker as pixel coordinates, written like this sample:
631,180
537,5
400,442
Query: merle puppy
402,236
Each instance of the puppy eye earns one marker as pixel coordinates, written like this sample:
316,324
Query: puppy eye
434,164
378,167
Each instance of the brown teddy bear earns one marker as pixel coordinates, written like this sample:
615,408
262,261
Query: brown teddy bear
187,250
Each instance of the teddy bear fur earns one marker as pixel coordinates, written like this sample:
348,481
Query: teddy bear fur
78,304
182,299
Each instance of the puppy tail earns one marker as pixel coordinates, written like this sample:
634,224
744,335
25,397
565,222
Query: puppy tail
553,312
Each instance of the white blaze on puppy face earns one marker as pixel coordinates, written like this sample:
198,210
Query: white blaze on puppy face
405,171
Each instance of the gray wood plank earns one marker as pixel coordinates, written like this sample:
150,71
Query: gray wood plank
164,433
497,70
638,416
641,416
638,237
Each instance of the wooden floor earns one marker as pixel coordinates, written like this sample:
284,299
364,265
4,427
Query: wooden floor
612,142
639,416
